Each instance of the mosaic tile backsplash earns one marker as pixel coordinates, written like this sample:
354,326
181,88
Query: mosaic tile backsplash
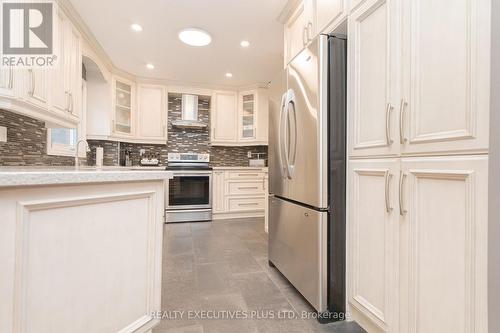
27,142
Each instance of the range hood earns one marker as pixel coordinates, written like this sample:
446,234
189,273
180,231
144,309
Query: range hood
189,113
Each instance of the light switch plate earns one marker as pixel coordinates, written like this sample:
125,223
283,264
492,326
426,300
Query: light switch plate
3,134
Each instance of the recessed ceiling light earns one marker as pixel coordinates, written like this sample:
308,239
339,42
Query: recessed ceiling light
245,43
229,74
195,37
136,27
150,66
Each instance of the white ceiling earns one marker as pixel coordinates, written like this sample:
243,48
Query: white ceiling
228,22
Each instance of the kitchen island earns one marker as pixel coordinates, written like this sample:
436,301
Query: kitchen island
80,250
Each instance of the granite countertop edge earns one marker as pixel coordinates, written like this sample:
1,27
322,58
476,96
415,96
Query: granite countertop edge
18,177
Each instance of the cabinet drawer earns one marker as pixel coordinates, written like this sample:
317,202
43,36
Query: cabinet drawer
246,204
257,175
237,188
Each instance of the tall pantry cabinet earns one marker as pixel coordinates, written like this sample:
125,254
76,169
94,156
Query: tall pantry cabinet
418,164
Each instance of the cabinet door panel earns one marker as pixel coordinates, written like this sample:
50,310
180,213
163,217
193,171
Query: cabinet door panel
123,105
328,12
7,81
36,88
224,118
151,112
219,192
248,116
445,75
74,69
295,32
443,245
372,52
372,237
59,86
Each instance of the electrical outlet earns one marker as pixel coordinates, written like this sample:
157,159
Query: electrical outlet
142,152
249,154
3,134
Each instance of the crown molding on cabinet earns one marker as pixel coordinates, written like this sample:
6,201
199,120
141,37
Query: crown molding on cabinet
287,11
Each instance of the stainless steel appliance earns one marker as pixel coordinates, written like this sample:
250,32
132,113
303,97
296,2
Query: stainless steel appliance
189,193
307,165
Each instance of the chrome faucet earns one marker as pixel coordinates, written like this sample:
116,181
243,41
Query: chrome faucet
77,148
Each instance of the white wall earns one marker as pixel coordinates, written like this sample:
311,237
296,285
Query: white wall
494,177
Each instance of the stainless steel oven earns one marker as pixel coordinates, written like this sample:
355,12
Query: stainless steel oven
189,193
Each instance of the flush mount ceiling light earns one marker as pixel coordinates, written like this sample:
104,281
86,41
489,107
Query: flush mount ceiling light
136,27
229,75
150,66
195,37
245,43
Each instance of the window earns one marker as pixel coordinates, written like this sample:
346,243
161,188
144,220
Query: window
61,141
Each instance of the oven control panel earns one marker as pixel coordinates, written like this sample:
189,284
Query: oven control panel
188,157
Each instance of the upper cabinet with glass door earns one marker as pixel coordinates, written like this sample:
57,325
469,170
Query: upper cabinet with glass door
123,106
239,119
247,125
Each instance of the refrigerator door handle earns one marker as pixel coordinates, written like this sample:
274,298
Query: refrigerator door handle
292,121
281,138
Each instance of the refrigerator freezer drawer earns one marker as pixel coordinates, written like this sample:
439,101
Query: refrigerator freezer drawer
298,248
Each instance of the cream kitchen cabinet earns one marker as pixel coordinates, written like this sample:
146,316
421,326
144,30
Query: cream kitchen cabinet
111,110
373,233
443,245
36,89
445,72
373,59
307,19
253,117
329,14
419,80
298,29
152,113
239,192
53,94
65,79
218,197
239,119
123,110
224,117
7,82
417,243
123,106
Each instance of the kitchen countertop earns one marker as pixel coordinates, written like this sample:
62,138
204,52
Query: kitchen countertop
30,176
241,168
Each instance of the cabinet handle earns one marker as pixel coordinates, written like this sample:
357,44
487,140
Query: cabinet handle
388,113
11,77
402,108
70,102
402,177
248,204
388,177
67,101
247,175
248,188
309,31
31,91
304,36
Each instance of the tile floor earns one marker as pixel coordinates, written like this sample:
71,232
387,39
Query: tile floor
221,268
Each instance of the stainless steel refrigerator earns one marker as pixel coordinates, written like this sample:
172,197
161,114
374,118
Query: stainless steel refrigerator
307,166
